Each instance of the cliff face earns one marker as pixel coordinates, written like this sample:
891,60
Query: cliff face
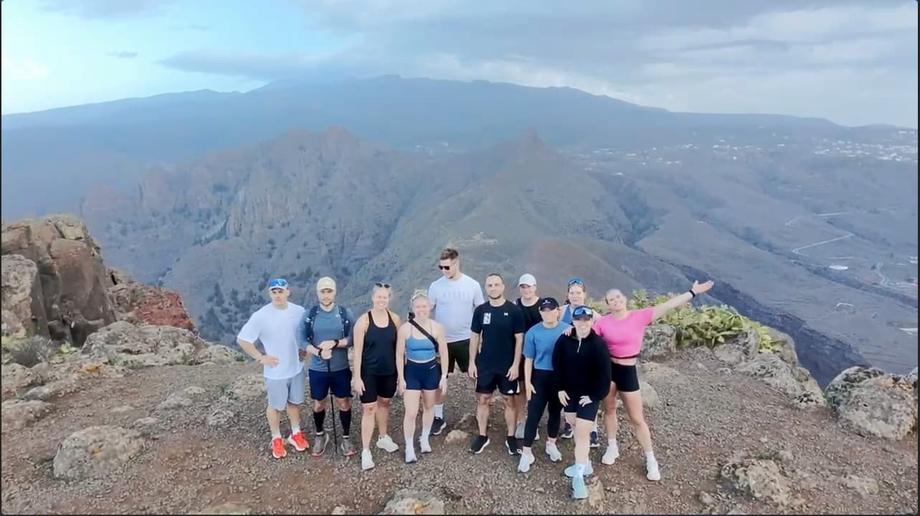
55,284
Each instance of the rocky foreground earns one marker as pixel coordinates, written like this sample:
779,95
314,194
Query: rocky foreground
128,426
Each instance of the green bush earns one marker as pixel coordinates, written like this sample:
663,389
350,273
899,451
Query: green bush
706,325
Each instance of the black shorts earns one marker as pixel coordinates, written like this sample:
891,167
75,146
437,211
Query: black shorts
458,352
625,377
339,382
422,376
378,386
587,412
488,381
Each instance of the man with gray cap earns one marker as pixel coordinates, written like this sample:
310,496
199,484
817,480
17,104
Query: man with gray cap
529,303
326,329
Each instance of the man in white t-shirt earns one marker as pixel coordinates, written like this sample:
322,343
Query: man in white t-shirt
275,326
453,297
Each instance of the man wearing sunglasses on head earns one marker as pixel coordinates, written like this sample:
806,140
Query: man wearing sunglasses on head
275,325
326,329
453,298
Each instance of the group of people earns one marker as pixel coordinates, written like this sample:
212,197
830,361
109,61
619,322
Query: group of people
564,360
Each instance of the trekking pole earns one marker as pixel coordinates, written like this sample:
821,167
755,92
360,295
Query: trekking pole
335,435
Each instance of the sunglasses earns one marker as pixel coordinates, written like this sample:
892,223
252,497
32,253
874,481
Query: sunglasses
444,267
576,281
278,283
382,285
582,318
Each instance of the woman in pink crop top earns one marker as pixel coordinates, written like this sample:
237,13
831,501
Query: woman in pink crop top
622,331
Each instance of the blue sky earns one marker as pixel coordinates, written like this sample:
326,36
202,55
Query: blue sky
852,62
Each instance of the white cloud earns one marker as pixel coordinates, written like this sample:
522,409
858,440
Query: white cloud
22,69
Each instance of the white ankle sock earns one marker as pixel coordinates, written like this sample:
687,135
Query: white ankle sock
426,433
650,456
295,429
276,435
439,411
613,444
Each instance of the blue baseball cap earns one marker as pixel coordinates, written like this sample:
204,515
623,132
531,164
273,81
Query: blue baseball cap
582,312
278,283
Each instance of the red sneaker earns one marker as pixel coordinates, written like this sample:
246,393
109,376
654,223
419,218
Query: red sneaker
278,450
299,442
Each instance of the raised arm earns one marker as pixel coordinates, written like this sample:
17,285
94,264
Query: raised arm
680,299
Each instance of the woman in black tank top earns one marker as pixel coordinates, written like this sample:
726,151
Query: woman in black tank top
375,363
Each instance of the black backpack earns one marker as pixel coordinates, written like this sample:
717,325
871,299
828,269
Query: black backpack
343,315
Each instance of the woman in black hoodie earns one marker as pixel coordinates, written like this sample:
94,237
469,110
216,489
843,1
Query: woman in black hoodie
581,362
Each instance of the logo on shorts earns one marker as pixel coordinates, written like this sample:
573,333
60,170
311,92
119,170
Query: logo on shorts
487,318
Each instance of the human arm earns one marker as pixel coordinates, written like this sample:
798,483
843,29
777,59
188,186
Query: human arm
357,384
250,349
680,299
401,335
442,353
474,350
528,378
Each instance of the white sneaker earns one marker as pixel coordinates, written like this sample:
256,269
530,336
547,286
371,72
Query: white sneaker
367,461
525,462
651,468
611,455
519,431
424,446
386,444
554,454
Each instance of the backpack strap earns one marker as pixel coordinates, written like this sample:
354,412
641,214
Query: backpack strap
309,323
424,332
346,323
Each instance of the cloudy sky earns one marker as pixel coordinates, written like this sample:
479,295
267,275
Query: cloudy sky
851,62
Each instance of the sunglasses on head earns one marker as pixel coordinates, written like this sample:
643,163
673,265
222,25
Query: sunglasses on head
382,285
576,281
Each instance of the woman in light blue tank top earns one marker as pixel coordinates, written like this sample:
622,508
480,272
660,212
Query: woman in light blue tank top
420,343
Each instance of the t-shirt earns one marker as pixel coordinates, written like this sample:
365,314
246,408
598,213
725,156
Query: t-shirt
276,329
497,326
531,314
624,336
539,342
453,302
328,326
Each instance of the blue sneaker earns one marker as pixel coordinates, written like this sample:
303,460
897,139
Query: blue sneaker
594,443
570,471
579,489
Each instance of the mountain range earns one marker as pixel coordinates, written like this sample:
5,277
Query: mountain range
805,225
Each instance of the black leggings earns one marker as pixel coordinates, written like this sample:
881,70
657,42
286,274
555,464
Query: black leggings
546,393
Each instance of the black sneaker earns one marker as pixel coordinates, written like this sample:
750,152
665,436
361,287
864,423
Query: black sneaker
511,444
567,432
594,443
479,444
437,426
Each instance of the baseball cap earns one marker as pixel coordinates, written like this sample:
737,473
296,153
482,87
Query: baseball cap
325,283
582,312
548,303
278,283
527,279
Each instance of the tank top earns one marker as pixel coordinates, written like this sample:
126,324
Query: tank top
419,350
379,354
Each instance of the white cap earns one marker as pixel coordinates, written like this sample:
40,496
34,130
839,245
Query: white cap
528,279
325,283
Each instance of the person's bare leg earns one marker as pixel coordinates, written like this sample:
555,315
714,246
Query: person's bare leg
410,401
274,421
610,426
482,412
633,403
369,413
383,416
428,400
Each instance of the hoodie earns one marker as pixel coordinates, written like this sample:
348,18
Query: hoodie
582,366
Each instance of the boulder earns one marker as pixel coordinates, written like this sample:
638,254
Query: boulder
457,436
659,340
219,354
763,479
70,300
795,381
96,451
18,414
739,348
123,343
407,501
874,403
15,378
19,289
650,397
